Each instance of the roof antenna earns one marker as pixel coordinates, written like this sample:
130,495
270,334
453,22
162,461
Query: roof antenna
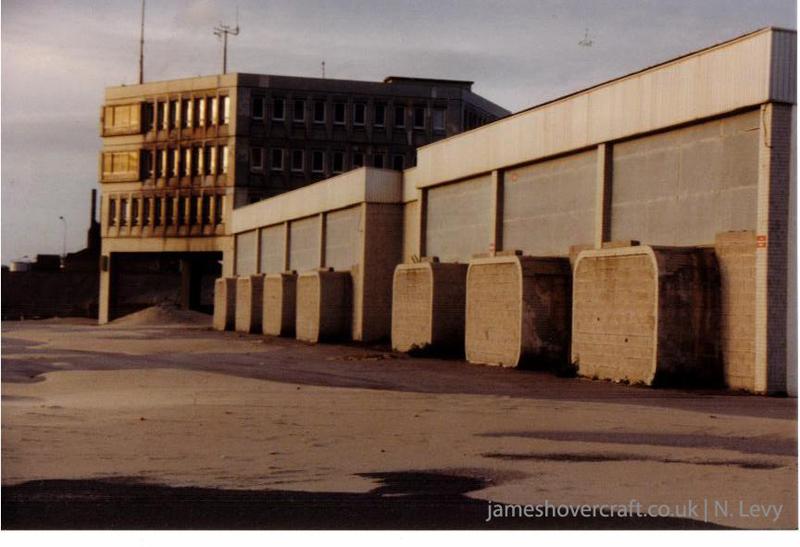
222,31
586,42
323,70
141,49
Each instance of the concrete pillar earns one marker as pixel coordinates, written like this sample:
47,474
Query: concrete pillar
423,222
104,301
498,182
772,250
602,208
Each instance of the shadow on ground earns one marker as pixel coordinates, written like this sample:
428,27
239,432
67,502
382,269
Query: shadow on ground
411,500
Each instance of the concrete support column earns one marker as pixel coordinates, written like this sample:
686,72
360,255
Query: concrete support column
118,212
104,300
212,209
176,202
140,211
163,211
423,222
151,217
603,188
322,222
498,183
286,242
772,250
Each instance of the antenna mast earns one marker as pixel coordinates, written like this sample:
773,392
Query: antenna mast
141,49
222,31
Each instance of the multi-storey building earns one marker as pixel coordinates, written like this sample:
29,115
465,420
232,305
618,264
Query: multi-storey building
179,155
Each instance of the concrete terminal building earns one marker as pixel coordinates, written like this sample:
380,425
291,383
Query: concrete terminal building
671,190
178,156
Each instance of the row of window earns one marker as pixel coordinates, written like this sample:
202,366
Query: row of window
359,110
319,160
187,113
184,161
165,211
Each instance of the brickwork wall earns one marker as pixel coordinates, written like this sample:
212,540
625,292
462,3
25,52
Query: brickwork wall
736,254
428,307
249,299
324,306
278,311
383,223
225,303
646,315
517,311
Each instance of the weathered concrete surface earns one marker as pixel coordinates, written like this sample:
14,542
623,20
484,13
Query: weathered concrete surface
249,301
428,306
517,311
324,306
225,303
647,315
280,301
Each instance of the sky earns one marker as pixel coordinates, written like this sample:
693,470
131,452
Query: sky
58,56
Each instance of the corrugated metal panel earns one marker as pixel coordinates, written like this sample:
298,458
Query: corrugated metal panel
725,78
304,244
343,238
459,220
246,252
272,249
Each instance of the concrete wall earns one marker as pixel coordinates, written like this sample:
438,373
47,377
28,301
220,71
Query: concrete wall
548,206
324,306
684,186
458,220
225,303
280,301
273,249
249,302
304,244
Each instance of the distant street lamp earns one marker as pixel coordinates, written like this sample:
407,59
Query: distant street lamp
63,243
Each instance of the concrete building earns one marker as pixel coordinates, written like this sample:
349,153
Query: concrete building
178,156
696,152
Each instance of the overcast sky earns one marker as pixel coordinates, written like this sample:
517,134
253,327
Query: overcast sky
57,56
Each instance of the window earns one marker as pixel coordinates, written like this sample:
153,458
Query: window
377,160
225,110
134,212
163,115
218,203
299,114
147,164
181,208
186,113
419,117
197,160
276,161
210,163
174,112
318,161
175,163
380,115
160,156
438,119
398,162
169,206
157,212
112,212
187,162
297,161
199,111
338,162
256,159
213,111
278,108
149,116
258,108
319,111
123,212
399,116
359,114
191,203
358,159
146,211
223,156
205,210
338,113
169,169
